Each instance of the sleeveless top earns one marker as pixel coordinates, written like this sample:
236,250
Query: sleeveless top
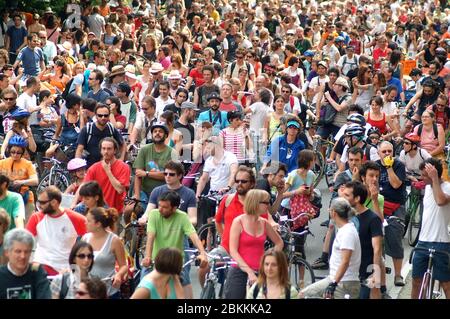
57,84
379,124
104,262
251,248
234,142
69,134
147,284
274,128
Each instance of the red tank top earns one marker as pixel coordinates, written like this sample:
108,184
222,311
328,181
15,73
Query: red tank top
251,248
380,124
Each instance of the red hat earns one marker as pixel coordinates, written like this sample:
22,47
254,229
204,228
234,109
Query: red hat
197,47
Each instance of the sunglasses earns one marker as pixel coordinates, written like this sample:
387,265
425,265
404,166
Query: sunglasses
169,174
9,98
102,115
15,152
82,293
43,202
241,181
84,256
407,143
386,151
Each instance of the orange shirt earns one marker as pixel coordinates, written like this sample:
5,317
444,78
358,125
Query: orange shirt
17,171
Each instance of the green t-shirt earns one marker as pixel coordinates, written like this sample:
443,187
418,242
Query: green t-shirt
169,232
149,159
14,206
369,203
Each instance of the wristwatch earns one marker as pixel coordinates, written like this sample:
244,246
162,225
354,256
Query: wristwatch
146,174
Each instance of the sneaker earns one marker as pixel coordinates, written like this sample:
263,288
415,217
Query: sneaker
398,281
321,264
325,223
385,295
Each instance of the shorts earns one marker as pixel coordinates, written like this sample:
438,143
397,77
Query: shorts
185,277
441,270
325,131
393,234
318,288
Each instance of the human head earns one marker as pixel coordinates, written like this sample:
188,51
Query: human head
437,165
173,167
101,218
102,113
169,261
91,288
355,156
245,180
306,159
82,255
355,192
108,148
50,199
369,173
168,203
275,172
92,194
274,264
385,148
340,208
95,78
256,202
18,245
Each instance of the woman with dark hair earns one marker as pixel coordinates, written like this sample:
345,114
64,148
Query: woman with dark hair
253,59
164,280
115,117
183,44
395,63
149,48
377,118
363,87
273,278
81,261
429,54
295,71
379,82
57,76
235,138
108,248
92,197
52,29
412,43
68,127
272,124
91,288
164,24
175,138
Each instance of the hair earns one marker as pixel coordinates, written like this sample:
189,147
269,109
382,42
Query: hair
335,71
356,150
95,287
377,99
170,196
273,167
265,95
435,162
277,97
53,192
368,165
100,106
4,179
305,157
355,108
252,199
5,220
98,75
169,261
342,208
109,139
381,79
90,104
358,189
106,217
209,68
44,94
361,71
234,115
76,248
395,58
31,81
283,273
175,166
150,100
92,189
249,171
164,83
9,91
18,235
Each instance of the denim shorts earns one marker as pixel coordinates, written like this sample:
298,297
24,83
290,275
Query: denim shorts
185,277
441,270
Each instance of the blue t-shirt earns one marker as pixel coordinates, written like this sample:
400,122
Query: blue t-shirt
219,120
187,196
30,60
396,82
100,96
16,36
296,181
280,150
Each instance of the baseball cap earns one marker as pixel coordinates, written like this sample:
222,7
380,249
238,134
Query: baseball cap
189,105
322,63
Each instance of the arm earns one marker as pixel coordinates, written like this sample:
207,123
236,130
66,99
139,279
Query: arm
274,236
235,232
192,213
148,249
196,98
112,179
119,251
58,128
134,135
377,250
141,293
440,197
198,244
393,178
201,183
5,143
233,171
346,254
337,107
441,140
79,151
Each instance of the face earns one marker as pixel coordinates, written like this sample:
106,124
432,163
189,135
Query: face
10,100
45,204
207,76
391,96
82,292
16,153
102,116
80,173
91,224
226,91
385,150
354,160
163,90
107,150
83,258
347,193
375,107
292,130
372,177
158,135
321,70
285,92
90,201
166,209
279,104
214,104
441,104
426,118
19,256
171,176
242,180
271,267
432,69
278,179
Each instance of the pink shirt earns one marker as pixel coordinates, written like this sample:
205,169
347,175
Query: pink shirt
428,141
251,248
166,62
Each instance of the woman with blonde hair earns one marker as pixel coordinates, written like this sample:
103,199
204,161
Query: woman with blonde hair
149,49
177,64
247,236
273,279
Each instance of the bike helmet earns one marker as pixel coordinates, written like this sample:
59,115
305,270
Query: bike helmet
20,114
160,125
309,53
373,130
17,140
354,130
357,119
76,163
413,137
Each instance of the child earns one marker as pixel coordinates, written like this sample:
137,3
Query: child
76,167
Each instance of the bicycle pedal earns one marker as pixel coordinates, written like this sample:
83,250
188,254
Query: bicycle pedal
388,270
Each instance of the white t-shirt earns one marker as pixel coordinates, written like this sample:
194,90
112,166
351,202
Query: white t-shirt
259,114
390,108
295,108
220,173
412,163
347,64
161,104
315,82
346,238
435,219
26,102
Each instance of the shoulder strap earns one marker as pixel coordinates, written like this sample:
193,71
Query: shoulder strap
345,60
64,286
233,66
256,291
89,129
419,130
435,130
111,129
288,292
420,153
248,67
54,30
228,200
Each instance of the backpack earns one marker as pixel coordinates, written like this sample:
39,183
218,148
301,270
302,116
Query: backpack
64,286
287,292
435,130
90,128
84,85
328,112
344,62
233,66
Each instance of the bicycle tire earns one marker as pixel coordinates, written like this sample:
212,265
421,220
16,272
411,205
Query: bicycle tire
208,236
58,179
209,291
308,274
318,167
408,213
415,223
329,174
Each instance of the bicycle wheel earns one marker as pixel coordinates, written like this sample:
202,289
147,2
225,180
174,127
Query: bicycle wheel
318,167
57,178
209,291
415,222
330,170
208,236
300,272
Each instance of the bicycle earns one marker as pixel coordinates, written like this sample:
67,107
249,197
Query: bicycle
414,212
323,166
298,266
132,153
428,285
56,176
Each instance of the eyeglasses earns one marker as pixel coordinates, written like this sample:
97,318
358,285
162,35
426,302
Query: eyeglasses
249,56
443,105
9,98
241,181
16,152
82,293
43,202
169,174
374,137
84,256
102,115
264,202
386,151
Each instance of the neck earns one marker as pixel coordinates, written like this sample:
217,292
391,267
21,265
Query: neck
2,197
101,232
272,281
290,138
413,152
340,222
57,211
183,120
360,208
160,147
174,186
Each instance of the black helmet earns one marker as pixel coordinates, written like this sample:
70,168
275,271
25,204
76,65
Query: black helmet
354,130
357,119
373,130
160,125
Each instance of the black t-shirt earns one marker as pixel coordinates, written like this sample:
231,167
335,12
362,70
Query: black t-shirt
263,183
271,26
232,46
175,109
339,146
218,49
391,194
368,225
183,129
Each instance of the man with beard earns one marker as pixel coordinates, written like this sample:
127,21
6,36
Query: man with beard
273,176
150,162
433,74
112,175
203,93
55,230
12,203
217,118
91,135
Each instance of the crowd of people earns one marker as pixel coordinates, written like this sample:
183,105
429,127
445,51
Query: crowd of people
168,101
